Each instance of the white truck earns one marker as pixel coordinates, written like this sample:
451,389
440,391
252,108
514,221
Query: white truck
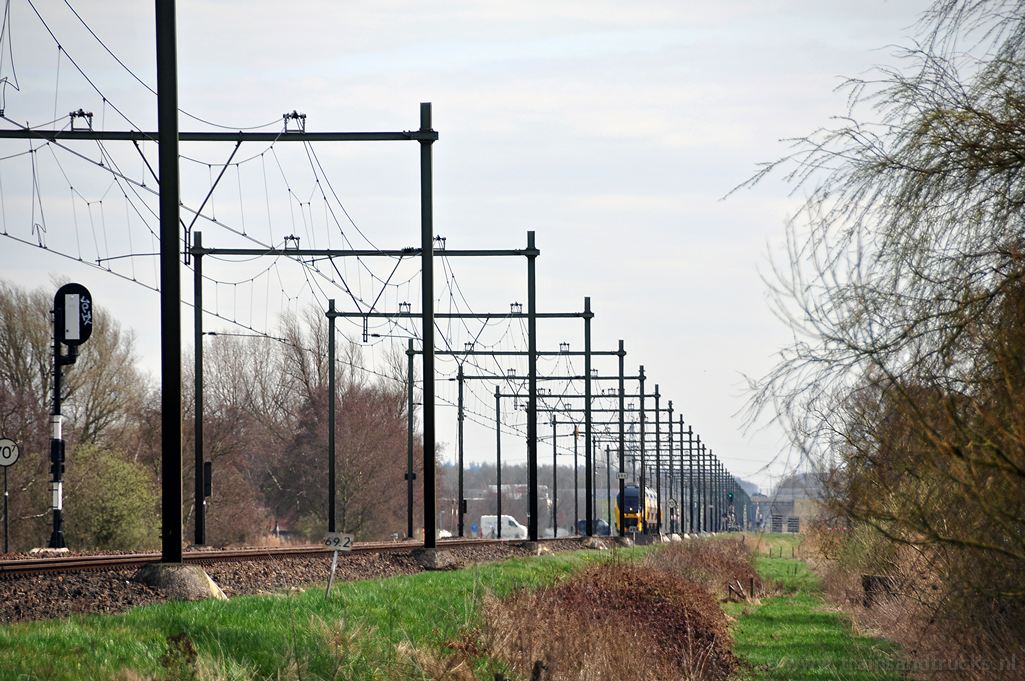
511,528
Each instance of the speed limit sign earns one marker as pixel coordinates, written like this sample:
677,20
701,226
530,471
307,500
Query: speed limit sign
8,452
8,455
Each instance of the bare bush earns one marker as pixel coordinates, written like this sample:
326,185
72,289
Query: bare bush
582,628
904,285
711,563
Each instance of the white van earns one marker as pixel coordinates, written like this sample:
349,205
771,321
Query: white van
511,528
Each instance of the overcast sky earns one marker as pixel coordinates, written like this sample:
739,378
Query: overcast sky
611,129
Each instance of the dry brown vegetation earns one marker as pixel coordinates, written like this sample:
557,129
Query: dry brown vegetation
616,620
945,628
711,563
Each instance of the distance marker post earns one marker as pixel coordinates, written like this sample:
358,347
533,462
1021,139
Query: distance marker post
337,541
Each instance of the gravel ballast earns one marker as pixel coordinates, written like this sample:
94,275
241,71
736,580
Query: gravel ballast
56,595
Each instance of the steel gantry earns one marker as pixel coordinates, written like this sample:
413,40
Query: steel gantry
531,401
426,315
167,138
531,313
711,490
705,484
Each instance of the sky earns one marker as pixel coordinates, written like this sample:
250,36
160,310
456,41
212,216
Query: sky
613,130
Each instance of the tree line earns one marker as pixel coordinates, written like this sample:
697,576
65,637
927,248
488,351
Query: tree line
904,285
265,434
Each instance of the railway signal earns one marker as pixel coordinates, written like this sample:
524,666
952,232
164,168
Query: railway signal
72,326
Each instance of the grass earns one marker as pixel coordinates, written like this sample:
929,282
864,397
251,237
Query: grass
794,636
354,635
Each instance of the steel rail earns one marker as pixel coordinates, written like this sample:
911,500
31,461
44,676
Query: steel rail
22,567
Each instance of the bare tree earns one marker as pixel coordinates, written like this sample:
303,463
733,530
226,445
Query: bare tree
904,285
103,396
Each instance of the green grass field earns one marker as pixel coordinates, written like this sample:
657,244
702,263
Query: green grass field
794,636
362,630
354,635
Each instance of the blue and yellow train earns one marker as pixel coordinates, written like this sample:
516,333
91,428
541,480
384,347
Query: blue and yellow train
640,512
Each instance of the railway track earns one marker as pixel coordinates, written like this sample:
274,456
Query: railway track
21,567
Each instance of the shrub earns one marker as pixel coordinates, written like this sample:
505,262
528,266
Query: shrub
710,563
111,502
611,621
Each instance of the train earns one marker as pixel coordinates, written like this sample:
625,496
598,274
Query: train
640,512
